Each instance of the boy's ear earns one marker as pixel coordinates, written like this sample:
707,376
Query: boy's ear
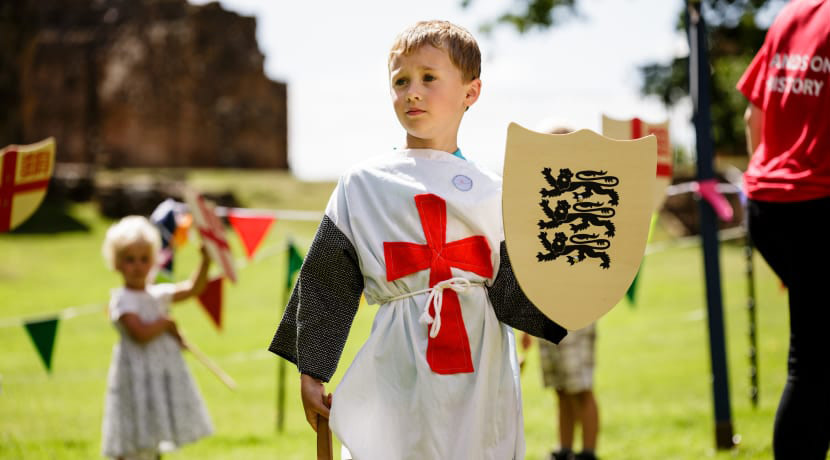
473,91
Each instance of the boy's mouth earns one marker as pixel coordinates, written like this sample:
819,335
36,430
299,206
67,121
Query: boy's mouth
413,112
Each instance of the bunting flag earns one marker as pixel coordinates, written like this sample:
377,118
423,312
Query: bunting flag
43,334
251,229
631,293
183,223
295,262
211,300
25,171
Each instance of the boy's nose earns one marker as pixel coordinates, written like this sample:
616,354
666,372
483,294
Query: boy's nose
412,96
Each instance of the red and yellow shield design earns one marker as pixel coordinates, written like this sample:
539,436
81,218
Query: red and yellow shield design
24,178
636,128
576,211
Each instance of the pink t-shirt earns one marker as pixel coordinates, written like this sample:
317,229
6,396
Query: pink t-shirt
789,80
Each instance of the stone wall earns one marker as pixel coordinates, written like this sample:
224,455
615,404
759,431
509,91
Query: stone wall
145,83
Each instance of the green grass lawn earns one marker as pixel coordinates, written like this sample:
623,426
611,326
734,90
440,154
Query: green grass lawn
653,381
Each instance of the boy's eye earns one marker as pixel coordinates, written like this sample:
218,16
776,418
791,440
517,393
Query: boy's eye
400,82
428,77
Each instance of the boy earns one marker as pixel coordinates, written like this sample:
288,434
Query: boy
788,177
419,232
568,368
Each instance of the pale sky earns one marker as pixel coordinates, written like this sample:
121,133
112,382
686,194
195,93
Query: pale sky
333,57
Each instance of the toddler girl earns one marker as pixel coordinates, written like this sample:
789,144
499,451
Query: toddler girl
152,403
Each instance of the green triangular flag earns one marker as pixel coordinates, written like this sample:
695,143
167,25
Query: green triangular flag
43,334
632,290
631,293
295,261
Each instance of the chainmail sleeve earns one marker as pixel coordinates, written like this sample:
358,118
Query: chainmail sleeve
322,306
515,309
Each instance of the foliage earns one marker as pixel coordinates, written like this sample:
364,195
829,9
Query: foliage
529,14
734,36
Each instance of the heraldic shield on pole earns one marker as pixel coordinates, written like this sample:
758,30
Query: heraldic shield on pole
636,128
212,232
576,210
25,171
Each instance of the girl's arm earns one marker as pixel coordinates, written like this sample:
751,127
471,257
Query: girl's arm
196,284
143,332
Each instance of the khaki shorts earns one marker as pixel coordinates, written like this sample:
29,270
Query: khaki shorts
569,366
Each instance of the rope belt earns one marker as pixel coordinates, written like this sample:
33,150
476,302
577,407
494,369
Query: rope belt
436,293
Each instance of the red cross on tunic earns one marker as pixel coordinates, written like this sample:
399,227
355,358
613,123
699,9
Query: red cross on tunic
8,188
449,351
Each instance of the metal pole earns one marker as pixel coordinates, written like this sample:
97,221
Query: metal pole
753,324
281,396
700,92
281,362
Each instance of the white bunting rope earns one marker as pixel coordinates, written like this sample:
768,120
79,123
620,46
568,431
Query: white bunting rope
72,312
66,313
435,293
279,214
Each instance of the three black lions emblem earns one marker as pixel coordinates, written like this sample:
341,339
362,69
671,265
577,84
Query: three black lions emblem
581,215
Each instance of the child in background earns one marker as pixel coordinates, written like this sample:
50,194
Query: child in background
152,403
419,232
568,368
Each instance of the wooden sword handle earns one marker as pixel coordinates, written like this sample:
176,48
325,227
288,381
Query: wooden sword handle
323,439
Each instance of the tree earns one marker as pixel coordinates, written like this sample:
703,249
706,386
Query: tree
529,14
734,37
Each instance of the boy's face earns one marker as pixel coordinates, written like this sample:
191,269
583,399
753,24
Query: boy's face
429,96
134,263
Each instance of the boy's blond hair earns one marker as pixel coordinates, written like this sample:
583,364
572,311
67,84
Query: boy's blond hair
129,230
455,40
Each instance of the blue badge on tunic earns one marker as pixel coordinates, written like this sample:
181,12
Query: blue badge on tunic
462,182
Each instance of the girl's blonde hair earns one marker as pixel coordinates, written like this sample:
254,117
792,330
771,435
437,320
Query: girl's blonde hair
455,40
127,231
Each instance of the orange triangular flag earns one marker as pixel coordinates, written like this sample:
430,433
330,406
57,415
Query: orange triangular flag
211,300
251,229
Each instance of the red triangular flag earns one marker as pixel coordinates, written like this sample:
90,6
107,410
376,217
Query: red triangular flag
251,229
211,300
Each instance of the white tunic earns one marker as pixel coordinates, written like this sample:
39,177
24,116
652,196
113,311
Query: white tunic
390,404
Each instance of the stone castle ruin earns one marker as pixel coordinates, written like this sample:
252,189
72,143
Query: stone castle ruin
139,83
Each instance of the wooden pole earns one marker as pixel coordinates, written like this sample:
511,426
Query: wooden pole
324,449
212,366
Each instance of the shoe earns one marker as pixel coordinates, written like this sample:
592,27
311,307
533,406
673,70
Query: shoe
561,455
585,456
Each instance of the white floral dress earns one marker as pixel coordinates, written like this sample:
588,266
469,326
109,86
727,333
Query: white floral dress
152,403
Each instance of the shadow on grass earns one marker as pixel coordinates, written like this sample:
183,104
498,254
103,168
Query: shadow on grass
51,217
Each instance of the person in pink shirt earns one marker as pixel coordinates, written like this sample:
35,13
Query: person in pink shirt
787,184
